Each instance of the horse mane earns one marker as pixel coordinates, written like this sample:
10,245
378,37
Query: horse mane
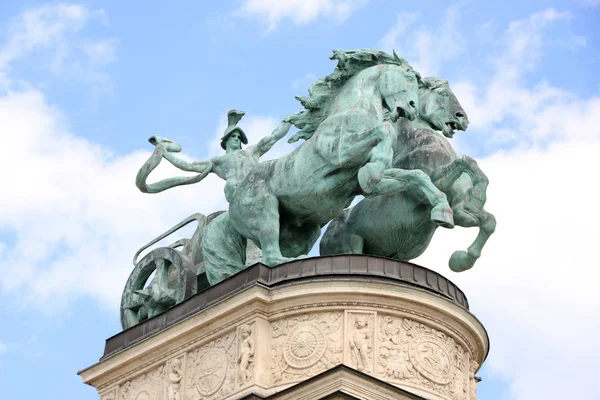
433,83
323,91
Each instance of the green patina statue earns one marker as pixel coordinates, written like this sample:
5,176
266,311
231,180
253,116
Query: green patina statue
233,166
398,226
369,128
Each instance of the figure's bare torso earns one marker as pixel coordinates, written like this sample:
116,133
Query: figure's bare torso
233,168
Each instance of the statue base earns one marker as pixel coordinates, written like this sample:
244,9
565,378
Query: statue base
325,327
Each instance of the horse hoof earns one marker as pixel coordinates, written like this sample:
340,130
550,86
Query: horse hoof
275,261
443,216
461,261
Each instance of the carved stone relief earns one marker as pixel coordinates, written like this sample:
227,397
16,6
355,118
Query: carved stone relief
174,377
360,340
420,356
148,386
460,389
211,369
112,395
393,360
245,354
473,367
305,345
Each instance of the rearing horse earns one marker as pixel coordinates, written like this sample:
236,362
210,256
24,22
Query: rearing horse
348,125
398,226
349,129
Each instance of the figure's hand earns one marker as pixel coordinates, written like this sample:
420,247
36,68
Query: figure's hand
293,118
299,135
168,144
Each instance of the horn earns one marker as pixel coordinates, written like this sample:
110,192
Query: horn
396,56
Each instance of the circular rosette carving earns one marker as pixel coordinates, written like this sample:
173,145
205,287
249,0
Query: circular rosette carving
431,358
211,372
305,346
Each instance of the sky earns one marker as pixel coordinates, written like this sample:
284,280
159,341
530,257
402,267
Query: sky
83,85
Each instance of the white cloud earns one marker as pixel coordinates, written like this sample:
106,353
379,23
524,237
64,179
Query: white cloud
510,111
300,12
524,41
424,48
390,40
53,33
101,52
534,287
74,216
41,27
3,348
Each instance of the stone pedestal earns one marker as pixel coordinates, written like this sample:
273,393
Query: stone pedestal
346,326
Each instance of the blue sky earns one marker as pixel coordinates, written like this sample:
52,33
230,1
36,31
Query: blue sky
83,85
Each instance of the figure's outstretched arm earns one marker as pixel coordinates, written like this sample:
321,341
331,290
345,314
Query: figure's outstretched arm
266,143
194,166
162,150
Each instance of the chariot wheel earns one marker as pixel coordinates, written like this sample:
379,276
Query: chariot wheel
174,281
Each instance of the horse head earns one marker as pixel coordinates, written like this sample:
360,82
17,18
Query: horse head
398,86
439,107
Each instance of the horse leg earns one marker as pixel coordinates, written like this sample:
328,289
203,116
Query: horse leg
268,236
463,260
254,212
380,158
467,199
397,180
447,176
340,238
377,178
296,240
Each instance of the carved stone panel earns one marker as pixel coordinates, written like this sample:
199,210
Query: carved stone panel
392,359
360,340
211,369
461,381
110,395
417,355
473,367
174,378
246,342
305,345
148,386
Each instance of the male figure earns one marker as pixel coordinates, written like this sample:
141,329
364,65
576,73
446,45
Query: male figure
233,166
224,248
360,343
175,377
246,353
